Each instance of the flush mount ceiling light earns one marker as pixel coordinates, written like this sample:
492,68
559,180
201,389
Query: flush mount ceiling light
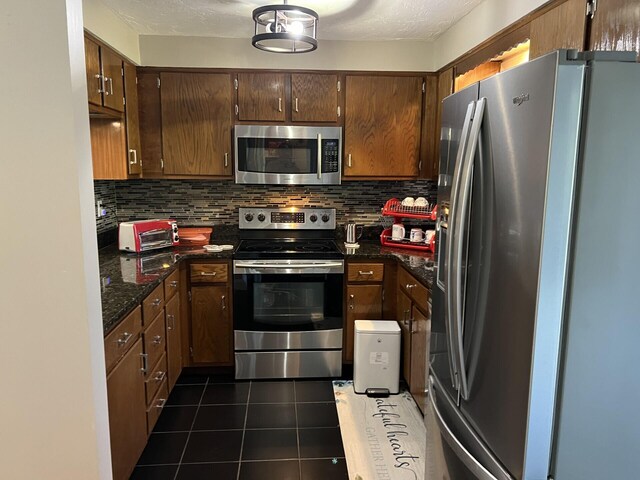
285,29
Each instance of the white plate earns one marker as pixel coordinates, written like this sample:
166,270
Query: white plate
226,247
213,248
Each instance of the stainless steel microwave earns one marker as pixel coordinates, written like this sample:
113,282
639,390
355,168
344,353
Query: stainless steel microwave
288,155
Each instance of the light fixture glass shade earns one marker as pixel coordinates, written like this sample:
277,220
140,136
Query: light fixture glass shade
285,29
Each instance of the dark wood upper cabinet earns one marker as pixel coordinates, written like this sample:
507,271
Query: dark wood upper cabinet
382,126
314,97
94,72
150,119
615,26
113,80
261,97
196,123
134,153
561,27
430,135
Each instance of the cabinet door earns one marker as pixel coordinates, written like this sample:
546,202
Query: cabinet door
382,126
113,82
196,123
615,26
261,97
314,97
211,327
94,79
419,356
150,124
174,346
364,302
562,27
404,318
134,158
127,412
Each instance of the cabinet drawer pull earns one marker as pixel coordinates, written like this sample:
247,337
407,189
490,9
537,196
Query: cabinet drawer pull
349,161
156,302
409,286
226,160
145,363
135,156
124,339
157,340
100,83
222,301
160,403
174,284
171,322
351,299
360,272
208,274
296,105
279,104
110,85
159,376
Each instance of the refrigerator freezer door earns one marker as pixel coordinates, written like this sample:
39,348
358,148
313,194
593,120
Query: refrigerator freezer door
454,452
502,268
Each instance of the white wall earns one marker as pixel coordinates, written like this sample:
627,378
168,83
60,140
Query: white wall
53,418
482,22
163,51
107,26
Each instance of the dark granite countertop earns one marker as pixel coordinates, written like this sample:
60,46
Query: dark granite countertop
124,285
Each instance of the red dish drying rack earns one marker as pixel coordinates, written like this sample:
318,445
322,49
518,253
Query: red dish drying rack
394,208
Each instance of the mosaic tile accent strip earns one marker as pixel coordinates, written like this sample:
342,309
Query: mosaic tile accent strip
105,191
205,203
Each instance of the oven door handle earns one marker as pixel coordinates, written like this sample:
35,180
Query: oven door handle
288,268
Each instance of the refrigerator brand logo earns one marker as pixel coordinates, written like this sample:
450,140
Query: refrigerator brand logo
520,99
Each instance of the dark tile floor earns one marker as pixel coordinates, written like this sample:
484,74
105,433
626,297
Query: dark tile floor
218,429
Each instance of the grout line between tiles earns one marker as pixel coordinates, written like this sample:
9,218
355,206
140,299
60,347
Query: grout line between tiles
295,406
184,449
244,431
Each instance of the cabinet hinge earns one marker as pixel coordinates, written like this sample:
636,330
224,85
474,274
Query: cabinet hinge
424,87
592,6
338,85
235,83
338,110
158,79
236,110
189,295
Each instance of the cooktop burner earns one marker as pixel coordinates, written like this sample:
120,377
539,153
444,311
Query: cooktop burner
279,248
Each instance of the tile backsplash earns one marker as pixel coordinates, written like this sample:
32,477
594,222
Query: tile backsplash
193,202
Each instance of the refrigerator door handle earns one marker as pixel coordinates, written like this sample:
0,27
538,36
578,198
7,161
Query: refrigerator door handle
457,174
461,452
462,219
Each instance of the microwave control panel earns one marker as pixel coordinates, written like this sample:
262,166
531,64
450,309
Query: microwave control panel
330,155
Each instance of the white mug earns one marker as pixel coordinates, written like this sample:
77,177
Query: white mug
416,235
397,231
429,234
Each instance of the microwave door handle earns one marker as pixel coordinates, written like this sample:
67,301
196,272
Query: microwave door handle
464,201
319,156
451,233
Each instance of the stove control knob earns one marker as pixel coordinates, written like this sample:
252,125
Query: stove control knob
325,218
261,217
248,217
313,218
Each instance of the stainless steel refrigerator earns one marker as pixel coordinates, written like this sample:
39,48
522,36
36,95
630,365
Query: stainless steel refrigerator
535,334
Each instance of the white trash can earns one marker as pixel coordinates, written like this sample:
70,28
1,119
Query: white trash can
376,356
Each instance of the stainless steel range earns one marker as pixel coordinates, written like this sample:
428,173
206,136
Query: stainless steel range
288,289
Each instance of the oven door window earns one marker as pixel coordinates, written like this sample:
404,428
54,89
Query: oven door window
278,155
283,303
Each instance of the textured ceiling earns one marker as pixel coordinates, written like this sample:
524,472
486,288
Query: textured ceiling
339,19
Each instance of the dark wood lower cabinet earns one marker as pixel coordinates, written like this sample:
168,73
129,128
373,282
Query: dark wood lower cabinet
404,318
174,341
419,355
127,412
364,302
211,325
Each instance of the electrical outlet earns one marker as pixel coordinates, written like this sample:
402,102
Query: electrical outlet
100,212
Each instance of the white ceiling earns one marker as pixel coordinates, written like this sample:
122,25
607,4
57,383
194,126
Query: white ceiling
339,19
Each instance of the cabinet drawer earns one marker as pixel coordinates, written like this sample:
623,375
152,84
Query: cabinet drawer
156,376
152,305
157,404
417,291
171,285
365,272
209,273
155,342
118,342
